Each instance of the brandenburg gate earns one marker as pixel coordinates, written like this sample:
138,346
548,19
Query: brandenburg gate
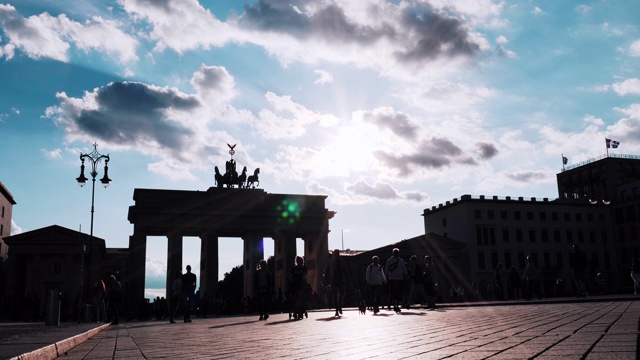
221,212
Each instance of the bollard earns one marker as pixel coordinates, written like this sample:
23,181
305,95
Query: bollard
53,309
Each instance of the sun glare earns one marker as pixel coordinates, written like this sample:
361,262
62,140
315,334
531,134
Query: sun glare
351,150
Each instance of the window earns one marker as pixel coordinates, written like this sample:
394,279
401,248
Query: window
569,237
592,237
503,214
559,260
546,258
529,215
532,235
444,222
1,230
494,260
481,264
491,214
2,211
485,235
590,217
580,236
516,215
521,260
542,215
477,214
554,216
54,268
519,235
507,259
544,235
578,217
556,236
567,216
594,260
505,235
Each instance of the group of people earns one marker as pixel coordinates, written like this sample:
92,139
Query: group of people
106,297
183,289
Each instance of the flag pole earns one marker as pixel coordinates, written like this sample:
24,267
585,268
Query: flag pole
562,161
606,145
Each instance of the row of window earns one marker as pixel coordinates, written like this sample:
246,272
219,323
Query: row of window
530,215
486,235
521,260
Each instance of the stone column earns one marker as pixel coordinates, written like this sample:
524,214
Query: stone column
134,286
285,252
316,252
251,256
174,261
209,268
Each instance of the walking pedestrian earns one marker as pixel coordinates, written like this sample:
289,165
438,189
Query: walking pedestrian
337,276
98,296
114,296
298,282
176,296
189,281
396,271
429,283
579,267
531,278
264,288
375,280
497,282
635,275
514,284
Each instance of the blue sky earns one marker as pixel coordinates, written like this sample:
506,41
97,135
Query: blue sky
386,107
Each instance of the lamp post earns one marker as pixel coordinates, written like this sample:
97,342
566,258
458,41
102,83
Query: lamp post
605,237
94,159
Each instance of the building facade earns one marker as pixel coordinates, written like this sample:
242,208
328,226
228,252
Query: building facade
596,209
6,210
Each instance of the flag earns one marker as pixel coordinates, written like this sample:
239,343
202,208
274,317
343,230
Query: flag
612,143
565,160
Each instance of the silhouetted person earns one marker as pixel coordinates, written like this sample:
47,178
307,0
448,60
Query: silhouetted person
188,288
176,296
396,269
579,267
415,280
298,282
514,284
375,280
98,295
497,282
337,276
264,288
635,275
114,295
429,283
531,279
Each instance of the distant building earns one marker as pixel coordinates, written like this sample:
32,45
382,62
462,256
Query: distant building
598,208
6,210
58,259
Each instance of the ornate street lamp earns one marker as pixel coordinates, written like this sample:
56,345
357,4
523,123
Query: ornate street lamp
94,159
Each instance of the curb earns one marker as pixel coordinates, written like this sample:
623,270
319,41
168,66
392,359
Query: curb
60,348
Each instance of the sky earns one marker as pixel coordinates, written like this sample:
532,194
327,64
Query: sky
385,107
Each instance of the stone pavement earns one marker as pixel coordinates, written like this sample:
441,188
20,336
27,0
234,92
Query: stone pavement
577,330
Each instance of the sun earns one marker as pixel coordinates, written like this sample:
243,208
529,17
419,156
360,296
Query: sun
349,151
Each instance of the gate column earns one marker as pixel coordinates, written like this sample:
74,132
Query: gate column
174,261
285,252
136,269
251,256
316,256
209,268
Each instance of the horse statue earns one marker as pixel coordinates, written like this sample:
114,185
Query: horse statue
242,178
219,178
231,176
252,180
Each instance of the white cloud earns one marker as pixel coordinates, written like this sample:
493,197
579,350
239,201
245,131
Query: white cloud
180,25
629,86
52,154
15,229
324,77
46,36
634,49
537,11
